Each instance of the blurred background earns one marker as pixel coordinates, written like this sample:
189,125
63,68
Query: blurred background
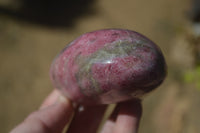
32,32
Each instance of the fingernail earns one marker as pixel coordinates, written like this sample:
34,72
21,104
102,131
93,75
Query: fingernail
50,100
62,99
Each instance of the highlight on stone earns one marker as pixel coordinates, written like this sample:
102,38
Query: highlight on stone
108,66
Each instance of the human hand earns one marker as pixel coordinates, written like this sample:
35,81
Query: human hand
56,111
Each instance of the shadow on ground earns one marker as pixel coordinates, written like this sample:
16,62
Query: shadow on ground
51,13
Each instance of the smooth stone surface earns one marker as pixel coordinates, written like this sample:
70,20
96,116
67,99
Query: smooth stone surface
108,66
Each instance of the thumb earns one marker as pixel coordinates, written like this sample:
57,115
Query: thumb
52,117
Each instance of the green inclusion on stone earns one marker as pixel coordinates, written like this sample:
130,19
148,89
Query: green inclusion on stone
104,55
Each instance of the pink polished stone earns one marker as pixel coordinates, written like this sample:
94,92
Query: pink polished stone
108,66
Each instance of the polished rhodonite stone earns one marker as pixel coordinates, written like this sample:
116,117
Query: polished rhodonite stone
108,66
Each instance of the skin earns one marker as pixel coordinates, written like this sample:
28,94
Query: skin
56,111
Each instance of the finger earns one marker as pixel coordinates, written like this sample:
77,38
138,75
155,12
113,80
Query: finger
128,117
124,119
108,126
87,120
50,119
110,123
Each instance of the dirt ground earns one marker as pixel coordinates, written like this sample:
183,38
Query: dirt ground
28,45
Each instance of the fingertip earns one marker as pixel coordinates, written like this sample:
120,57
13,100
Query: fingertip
50,99
129,116
125,118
